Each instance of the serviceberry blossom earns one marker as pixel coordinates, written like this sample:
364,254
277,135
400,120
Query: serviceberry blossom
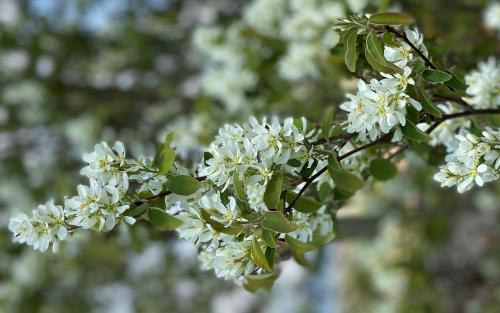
492,16
253,150
45,227
380,106
403,54
98,206
474,162
483,85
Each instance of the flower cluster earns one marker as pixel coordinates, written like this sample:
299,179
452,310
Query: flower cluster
223,225
99,206
380,106
492,16
252,152
475,161
484,85
297,33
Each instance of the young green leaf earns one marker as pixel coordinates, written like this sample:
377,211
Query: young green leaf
269,238
334,162
382,169
436,76
163,220
345,180
258,256
303,204
263,281
350,48
427,104
391,18
238,187
298,249
273,190
136,210
456,83
390,40
276,221
374,54
411,131
326,124
183,185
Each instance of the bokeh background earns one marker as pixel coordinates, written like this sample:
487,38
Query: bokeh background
73,73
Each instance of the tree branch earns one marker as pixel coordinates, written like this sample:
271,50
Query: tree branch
311,179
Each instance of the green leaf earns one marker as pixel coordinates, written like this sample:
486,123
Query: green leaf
456,83
233,229
269,238
137,210
167,158
327,121
320,240
334,162
350,48
166,155
436,76
146,194
273,190
294,163
238,187
391,18
162,220
390,40
299,249
419,94
345,180
307,171
183,185
270,256
264,281
276,221
382,169
419,66
410,131
258,256
374,54
303,204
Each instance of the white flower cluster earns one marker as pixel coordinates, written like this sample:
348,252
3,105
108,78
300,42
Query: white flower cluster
403,54
475,161
252,151
99,206
380,106
231,56
484,85
222,225
226,75
492,16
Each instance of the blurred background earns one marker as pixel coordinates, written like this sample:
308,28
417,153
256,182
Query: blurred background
73,73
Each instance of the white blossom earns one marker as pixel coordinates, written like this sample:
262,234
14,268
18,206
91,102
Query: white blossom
483,85
380,106
475,161
492,16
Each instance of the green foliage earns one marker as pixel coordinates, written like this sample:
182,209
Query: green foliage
392,18
183,184
411,132
436,76
273,191
345,180
382,169
163,220
276,221
302,204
